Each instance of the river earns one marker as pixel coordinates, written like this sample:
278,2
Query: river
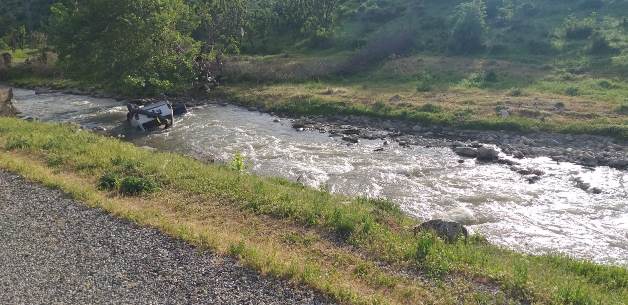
550,216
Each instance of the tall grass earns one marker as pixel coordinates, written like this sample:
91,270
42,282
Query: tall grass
373,226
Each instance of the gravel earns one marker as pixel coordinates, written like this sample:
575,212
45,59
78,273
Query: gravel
54,250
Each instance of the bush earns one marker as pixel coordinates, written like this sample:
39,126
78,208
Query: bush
600,46
572,91
576,29
516,92
469,30
138,185
623,109
423,86
109,181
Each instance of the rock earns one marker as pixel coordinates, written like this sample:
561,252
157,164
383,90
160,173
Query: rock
532,179
581,184
395,99
487,154
351,139
618,163
527,141
276,120
517,154
6,106
461,161
466,151
595,190
447,230
588,160
504,113
378,149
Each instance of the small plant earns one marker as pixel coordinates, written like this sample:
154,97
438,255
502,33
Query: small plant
238,163
424,246
604,84
572,91
516,92
18,142
559,106
109,181
423,86
431,108
133,186
623,108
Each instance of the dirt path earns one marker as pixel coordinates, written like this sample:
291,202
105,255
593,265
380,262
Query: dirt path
54,250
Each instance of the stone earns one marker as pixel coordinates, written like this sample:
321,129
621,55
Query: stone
487,154
447,230
466,151
517,154
351,139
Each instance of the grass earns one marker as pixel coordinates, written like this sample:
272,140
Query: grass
465,91
356,250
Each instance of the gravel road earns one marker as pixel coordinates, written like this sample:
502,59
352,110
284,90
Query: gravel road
54,250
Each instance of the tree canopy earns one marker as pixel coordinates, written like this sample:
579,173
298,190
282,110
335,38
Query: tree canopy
143,45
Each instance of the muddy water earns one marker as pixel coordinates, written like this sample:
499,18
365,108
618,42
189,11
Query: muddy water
550,216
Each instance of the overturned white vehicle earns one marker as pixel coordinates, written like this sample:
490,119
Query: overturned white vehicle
154,115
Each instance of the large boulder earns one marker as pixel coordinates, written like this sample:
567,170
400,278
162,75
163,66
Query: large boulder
487,154
466,151
447,230
6,106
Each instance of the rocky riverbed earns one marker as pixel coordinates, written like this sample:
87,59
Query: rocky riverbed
586,150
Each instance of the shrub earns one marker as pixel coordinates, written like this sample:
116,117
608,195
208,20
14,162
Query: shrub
138,185
469,30
623,109
572,91
109,181
559,105
576,29
431,108
515,92
600,45
604,84
423,86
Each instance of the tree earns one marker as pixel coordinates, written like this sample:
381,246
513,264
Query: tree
139,46
222,24
469,28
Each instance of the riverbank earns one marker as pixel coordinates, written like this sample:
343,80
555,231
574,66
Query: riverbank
355,250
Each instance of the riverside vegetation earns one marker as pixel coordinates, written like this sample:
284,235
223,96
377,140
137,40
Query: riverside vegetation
525,66
356,250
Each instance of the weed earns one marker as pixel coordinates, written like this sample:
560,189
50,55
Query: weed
133,186
109,182
18,142
238,163
516,92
